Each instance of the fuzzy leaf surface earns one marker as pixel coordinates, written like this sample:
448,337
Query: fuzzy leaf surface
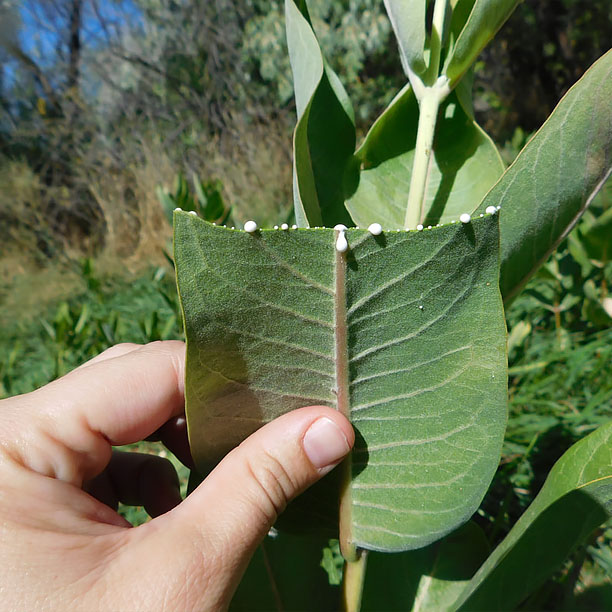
465,165
555,177
575,499
324,137
423,363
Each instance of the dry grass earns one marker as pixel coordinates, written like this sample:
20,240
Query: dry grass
253,161
110,211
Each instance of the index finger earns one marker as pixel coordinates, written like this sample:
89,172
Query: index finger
115,401
125,398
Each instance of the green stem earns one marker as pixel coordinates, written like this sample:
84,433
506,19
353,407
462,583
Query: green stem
342,400
435,42
434,92
428,116
353,581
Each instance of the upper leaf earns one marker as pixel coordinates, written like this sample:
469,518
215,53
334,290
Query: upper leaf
465,165
408,328
473,25
575,499
408,20
324,138
555,177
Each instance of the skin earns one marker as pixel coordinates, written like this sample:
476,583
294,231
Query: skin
63,545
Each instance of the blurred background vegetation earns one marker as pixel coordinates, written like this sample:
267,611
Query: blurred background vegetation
113,112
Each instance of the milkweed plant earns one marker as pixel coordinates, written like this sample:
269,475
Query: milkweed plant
386,301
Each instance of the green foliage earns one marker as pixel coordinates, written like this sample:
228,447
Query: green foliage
408,21
206,199
354,36
344,317
271,583
83,325
190,74
465,166
324,138
570,156
473,25
429,579
574,500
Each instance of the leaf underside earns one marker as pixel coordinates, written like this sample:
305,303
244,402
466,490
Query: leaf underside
425,352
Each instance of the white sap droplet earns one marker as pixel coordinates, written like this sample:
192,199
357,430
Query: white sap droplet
193,212
420,227
375,229
341,243
420,306
250,227
498,207
284,226
491,210
214,223
177,209
276,227
233,227
294,227
481,215
465,218
429,227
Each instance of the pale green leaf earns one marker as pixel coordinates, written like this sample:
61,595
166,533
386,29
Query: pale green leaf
555,177
324,138
423,366
470,35
408,21
465,165
575,499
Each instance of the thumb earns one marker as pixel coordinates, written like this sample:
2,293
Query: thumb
234,508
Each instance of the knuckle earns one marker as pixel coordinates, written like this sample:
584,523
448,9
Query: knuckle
120,349
275,487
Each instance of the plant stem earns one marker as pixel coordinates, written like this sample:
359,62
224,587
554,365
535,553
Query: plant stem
435,90
347,548
428,115
353,581
342,400
435,43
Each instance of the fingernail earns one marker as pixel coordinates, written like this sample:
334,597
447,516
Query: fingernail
325,443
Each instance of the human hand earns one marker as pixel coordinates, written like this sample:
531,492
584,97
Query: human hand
61,548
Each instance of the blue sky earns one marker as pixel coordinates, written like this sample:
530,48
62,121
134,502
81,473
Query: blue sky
44,30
